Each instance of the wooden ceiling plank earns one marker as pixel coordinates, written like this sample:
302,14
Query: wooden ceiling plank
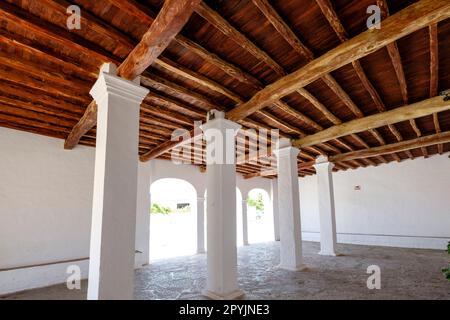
173,16
198,78
333,19
282,27
424,141
408,20
227,29
434,75
52,32
287,33
92,22
26,80
154,81
405,113
396,60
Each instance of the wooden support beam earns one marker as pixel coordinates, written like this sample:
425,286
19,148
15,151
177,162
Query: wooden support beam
327,9
434,74
171,19
333,19
408,20
404,113
286,32
173,16
425,141
396,60
422,142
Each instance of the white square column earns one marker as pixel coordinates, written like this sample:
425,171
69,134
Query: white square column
244,223
143,215
220,135
200,225
291,257
112,246
276,218
325,194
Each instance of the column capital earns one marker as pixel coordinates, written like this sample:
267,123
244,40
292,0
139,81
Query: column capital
108,83
284,148
216,120
322,162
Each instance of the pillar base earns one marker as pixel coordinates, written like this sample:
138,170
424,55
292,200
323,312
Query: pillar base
201,251
235,295
302,267
331,254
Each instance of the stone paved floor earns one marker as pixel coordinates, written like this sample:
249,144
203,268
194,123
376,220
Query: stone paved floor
405,274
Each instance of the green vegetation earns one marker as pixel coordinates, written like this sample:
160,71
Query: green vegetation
258,203
159,209
446,271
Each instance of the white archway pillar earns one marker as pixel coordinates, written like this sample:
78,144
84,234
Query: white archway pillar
220,135
244,222
143,215
200,225
275,212
291,257
112,246
325,194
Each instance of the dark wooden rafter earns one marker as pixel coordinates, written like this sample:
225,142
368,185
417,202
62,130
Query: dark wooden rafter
426,11
434,75
333,19
408,20
405,113
396,60
224,26
173,16
59,35
421,142
287,33
220,23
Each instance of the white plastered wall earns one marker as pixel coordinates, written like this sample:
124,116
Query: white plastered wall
46,204
403,204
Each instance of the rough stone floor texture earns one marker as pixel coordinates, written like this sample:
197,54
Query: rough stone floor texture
405,274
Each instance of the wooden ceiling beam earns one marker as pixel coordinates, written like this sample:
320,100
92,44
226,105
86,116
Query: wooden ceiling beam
171,19
198,78
282,27
159,83
70,40
169,103
434,75
286,32
405,113
396,60
23,79
424,141
221,24
408,20
333,19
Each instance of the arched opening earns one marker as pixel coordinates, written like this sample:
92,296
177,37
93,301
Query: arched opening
260,216
173,221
